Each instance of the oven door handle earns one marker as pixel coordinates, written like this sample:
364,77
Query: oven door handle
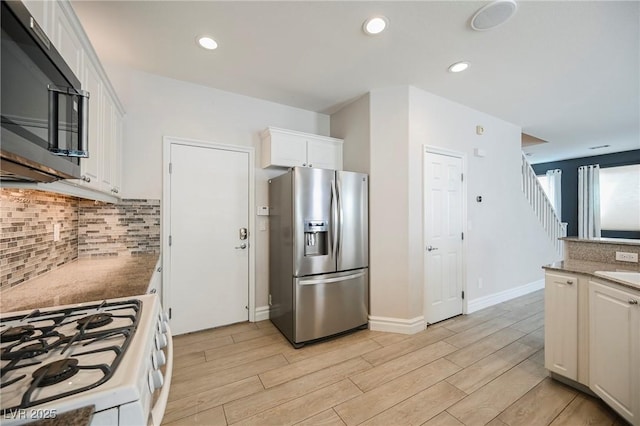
157,412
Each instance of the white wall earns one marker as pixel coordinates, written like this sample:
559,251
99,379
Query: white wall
504,242
388,195
158,106
351,123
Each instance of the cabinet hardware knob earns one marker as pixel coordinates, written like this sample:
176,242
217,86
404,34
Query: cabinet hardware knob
86,178
569,282
310,165
633,302
304,164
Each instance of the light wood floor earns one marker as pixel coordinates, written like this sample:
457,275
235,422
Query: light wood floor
483,368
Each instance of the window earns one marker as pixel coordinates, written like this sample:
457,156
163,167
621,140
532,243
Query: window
551,184
620,198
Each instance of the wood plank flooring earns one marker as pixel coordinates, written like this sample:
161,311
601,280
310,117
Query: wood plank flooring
483,368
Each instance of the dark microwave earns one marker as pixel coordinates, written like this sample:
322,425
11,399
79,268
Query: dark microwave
44,110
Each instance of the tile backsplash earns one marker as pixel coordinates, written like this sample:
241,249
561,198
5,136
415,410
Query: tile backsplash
87,228
27,248
132,226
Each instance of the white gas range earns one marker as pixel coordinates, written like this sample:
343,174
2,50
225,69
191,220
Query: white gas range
116,355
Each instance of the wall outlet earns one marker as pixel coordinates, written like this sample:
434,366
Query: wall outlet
626,257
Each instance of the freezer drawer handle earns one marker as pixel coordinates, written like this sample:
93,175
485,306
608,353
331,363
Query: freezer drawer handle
332,280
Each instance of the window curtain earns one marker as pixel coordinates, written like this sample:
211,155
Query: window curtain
589,201
554,182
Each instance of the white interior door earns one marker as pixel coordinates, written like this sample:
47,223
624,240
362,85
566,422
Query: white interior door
209,205
443,236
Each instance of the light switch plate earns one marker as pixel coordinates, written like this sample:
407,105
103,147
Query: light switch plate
263,210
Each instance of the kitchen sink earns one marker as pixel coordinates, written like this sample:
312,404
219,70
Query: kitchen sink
632,278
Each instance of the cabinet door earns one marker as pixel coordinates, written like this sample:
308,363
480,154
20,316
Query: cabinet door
286,150
66,39
614,336
561,324
108,143
91,166
116,154
324,153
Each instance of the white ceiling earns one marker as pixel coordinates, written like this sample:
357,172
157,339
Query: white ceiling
568,72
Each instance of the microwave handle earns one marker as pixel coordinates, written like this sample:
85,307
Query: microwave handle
83,122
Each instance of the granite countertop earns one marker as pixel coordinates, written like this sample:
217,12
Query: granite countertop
589,268
83,280
603,240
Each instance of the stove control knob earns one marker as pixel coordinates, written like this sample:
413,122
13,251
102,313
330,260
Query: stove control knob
161,341
164,317
162,327
155,380
158,359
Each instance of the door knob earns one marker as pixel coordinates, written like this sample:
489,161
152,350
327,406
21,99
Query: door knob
242,246
431,248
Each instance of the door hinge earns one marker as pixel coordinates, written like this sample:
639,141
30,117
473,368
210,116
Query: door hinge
461,177
169,313
462,294
462,235
270,301
169,240
170,168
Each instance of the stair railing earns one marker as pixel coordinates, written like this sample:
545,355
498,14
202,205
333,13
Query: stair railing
554,228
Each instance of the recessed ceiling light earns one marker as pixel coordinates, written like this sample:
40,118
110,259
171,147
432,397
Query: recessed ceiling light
375,25
493,15
459,66
207,42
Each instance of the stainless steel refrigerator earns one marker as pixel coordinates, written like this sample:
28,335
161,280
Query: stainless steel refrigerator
318,253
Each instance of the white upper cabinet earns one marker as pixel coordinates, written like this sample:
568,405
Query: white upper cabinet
103,169
91,167
66,39
288,148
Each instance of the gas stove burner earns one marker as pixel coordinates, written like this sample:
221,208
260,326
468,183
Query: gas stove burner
16,333
56,372
24,352
94,321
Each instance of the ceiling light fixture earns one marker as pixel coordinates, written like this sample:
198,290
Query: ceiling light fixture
459,66
207,42
375,25
493,15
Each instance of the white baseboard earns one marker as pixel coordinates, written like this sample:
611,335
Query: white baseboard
397,325
262,313
503,296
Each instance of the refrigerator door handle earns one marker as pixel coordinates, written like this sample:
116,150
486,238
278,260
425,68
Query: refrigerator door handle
331,280
334,217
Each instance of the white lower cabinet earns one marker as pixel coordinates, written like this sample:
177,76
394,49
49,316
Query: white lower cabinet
614,335
561,324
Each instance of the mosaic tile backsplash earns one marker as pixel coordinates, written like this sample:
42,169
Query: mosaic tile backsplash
87,228
132,226
27,219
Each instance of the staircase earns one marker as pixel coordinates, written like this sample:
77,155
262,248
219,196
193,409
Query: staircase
542,207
